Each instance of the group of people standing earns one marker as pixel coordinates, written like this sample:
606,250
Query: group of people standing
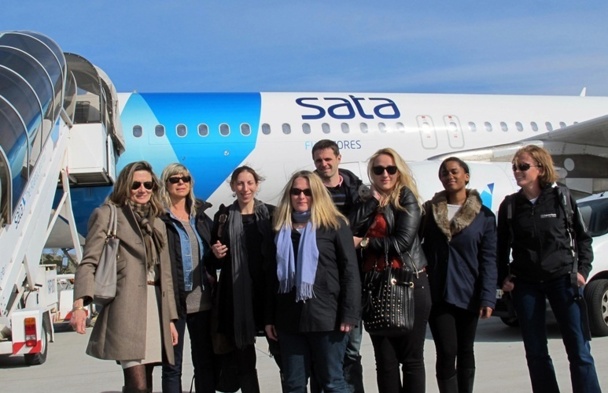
293,272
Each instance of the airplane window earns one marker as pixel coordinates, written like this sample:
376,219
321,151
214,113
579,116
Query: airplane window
224,129
472,126
400,127
325,127
245,129
364,128
203,130
562,124
519,126
534,126
488,126
549,126
266,129
159,130
503,126
345,128
138,131
286,128
181,130
382,127
306,128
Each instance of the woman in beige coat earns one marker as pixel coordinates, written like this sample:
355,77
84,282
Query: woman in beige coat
138,323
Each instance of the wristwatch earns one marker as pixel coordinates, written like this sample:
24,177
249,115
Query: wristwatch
364,242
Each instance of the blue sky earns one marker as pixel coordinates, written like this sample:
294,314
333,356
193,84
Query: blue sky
511,47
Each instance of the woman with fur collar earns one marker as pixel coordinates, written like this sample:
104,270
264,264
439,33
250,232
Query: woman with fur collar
459,241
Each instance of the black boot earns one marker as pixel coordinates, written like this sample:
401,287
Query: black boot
449,385
466,377
249,383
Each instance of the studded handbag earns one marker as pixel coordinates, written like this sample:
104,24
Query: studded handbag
388,300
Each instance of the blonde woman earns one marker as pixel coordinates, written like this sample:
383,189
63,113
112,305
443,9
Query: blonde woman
386,228
189,238
317,291
538,237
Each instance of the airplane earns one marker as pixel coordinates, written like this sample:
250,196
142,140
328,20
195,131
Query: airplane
61,117
213,133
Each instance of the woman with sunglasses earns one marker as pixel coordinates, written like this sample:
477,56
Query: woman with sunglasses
315,298
386,230
138,325
243,249
459,242
551,260
189,237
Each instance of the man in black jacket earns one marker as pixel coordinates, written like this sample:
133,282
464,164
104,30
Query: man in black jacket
344,187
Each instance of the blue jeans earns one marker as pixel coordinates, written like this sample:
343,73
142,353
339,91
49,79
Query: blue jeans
199,328
530,305
322,350
353,370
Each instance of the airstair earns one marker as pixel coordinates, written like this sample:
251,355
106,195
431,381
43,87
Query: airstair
53,106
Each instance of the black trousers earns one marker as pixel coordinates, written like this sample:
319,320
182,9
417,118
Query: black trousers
406,350
453,331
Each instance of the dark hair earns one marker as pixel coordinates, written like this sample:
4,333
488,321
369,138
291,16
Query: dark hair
326,144
245,168
460,163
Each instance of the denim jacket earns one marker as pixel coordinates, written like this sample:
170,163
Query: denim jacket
186,251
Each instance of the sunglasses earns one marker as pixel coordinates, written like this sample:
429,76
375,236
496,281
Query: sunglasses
148,185
524,166
175,179
378,170
297,191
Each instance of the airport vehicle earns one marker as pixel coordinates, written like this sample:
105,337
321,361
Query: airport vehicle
62,144
42,95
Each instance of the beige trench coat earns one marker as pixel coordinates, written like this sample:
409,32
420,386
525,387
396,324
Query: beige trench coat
120,330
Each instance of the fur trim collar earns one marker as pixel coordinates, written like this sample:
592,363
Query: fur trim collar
463,218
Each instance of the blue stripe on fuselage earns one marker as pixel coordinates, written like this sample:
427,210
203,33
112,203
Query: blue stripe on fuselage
210,159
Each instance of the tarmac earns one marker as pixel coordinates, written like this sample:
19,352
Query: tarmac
501,365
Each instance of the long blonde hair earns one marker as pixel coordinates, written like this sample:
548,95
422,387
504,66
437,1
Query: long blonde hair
323,212
172,170
405,178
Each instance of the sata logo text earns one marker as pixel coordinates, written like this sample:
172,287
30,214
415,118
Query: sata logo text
341,108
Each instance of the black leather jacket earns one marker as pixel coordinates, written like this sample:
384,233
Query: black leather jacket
402,227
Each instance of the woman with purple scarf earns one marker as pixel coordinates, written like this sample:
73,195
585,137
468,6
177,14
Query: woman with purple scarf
315,300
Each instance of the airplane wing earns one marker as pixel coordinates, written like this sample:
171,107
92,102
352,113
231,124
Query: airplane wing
579,151
592,132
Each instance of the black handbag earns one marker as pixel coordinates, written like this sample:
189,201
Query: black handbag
388,299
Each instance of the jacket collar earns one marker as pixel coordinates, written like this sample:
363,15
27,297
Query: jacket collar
463,218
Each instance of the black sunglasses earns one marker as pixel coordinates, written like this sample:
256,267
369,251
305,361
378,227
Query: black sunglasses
175,179
297,191
378,170
148,185
524,166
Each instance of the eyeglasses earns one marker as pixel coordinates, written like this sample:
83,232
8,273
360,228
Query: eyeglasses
175,179
148,185
378,170
524,166
297,191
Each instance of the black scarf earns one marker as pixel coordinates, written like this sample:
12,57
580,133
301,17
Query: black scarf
244,321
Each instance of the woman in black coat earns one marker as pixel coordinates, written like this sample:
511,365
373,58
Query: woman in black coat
386,229
316,295
243,249
459,241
